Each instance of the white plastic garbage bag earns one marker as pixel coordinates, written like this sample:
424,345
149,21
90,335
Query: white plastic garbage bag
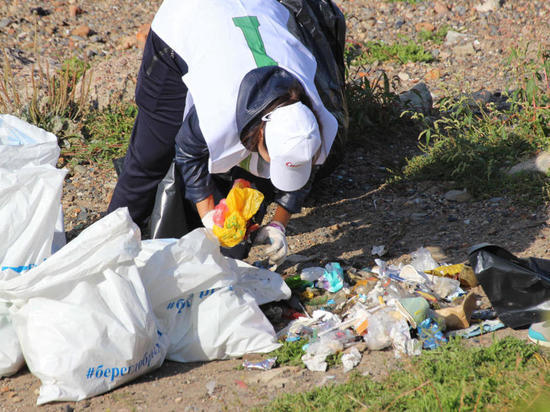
83,318
30,200
11,358
207,303
31,217
22,144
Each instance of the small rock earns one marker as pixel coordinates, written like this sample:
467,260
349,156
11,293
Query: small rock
477,45
82,31
211,387
178,400
75,10
4,23
424,26
489,5
440,7
458,195
453,37
461,10
79,169
464,50
433,74
418,98
540,163
39,11
127,42
96,38
403,76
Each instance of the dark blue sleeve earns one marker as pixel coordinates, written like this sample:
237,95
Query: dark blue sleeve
192,159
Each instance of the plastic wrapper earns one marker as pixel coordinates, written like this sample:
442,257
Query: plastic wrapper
430,334
241,204
312,274
263,365
333,278
351,359
477,329
518,289
423,260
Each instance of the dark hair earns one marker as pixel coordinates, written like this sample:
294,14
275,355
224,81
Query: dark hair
250,136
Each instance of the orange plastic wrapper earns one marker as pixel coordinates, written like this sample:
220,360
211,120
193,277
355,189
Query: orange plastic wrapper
242,202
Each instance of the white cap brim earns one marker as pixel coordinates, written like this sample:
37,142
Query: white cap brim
289,179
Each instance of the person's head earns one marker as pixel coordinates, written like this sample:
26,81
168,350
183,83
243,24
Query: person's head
286,134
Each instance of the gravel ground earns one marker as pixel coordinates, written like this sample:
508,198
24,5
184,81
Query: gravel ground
346,215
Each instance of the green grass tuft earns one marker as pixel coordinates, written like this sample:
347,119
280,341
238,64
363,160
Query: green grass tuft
106,135
290,354
403,52
509,373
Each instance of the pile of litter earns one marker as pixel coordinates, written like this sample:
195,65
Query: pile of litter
409,307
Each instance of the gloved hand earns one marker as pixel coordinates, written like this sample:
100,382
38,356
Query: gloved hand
273,234
208,219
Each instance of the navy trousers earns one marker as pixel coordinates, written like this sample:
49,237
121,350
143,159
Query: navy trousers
160,97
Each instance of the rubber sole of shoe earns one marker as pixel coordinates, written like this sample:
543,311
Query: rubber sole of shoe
544,343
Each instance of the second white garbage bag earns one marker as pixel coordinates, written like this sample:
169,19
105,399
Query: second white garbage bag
83,318
203,300
11,357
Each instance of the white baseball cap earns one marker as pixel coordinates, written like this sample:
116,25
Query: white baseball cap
292,139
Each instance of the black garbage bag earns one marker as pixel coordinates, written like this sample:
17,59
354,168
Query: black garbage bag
172,215
321,27
519,289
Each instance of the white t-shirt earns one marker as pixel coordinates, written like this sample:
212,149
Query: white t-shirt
221,41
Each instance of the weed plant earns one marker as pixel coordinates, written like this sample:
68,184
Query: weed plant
106,134
290,354
436,37
54,102
402,52
475,145
508,374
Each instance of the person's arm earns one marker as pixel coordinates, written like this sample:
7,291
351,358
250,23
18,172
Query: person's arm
205,206
281,215
192,162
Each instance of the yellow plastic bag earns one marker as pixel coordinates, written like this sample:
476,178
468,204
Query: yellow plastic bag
242,203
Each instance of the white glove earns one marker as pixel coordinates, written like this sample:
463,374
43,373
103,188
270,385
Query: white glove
208,220
273,234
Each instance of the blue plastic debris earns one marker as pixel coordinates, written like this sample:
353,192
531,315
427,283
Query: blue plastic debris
430,334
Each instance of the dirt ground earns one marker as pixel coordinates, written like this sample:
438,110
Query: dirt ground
347,214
